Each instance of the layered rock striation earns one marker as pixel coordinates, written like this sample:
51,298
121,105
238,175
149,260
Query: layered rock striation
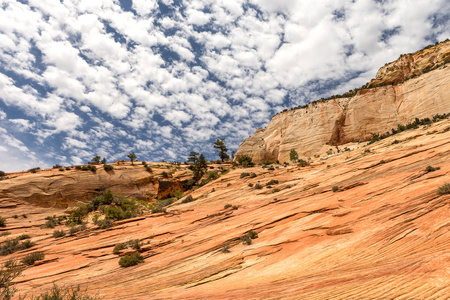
414,86
63,189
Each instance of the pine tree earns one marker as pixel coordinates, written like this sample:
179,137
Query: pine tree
222,150
293,155
200,168
132,157
193,157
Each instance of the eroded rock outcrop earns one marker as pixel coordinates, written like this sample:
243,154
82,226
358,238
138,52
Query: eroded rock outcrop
375,110
382,234
54,188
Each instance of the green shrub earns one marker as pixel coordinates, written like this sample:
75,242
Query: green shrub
32,257
431,169
161,204
271,168
11,270
12,245
78,215
272,182
76,229
148,169
247,238
244,174
444,189
34,170
58,233
2,174
213,175
131,260
2,222
104,224
119,247
134,244
227,206
303,163
62,293
51,222
245,161
108,167
187,199
250,184
258,186
335,188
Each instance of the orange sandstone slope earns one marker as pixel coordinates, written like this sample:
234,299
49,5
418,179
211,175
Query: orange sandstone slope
311,130
384,234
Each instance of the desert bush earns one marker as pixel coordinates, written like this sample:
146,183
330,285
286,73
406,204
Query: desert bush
61,169
335,188
67,168
244,174
63,293
271,168
105,223
58,233
2,174
108,167
11,270
250,184
227,206
119,247
302,163
187,199
148,169
76,229
213,175
2,222
57,166
78,215
444,189
12,245
51,222
131,260
32,257
272,182
248,237
245,161
258,186
134,244
159,207
431,169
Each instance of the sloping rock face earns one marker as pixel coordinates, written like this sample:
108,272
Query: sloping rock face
54,188
384,234
375,110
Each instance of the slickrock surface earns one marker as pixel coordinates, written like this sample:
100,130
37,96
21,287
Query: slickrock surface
54,188
311,130
385,234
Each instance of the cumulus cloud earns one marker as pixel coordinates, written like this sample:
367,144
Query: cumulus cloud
104,75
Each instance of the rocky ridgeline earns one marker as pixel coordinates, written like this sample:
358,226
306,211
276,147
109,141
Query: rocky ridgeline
414,86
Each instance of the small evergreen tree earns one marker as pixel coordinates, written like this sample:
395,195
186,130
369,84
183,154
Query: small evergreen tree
200,168
132,157
293,155
193,157
222,150
95,160
103,160
232,154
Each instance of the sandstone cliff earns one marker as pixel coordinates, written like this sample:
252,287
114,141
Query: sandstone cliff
62,189
375,110
384,234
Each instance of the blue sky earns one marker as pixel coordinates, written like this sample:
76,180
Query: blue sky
80,78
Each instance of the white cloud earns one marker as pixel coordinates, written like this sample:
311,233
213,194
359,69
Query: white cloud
146,78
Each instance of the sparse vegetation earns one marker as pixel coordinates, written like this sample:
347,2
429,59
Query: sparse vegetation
431,169
58,233
2,222
2,174
11,270
131,260
248,237
119,247
303,163
250,184
258,186
293,155
62,293
272,182
12,245
132,156
108,167
76,229
33,257
244,174
187,199
245,161
444,189
34,170
335,188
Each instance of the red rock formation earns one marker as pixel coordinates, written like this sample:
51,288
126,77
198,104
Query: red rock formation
311,130
383,235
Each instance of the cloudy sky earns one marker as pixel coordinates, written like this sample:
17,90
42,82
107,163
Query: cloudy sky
80,78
